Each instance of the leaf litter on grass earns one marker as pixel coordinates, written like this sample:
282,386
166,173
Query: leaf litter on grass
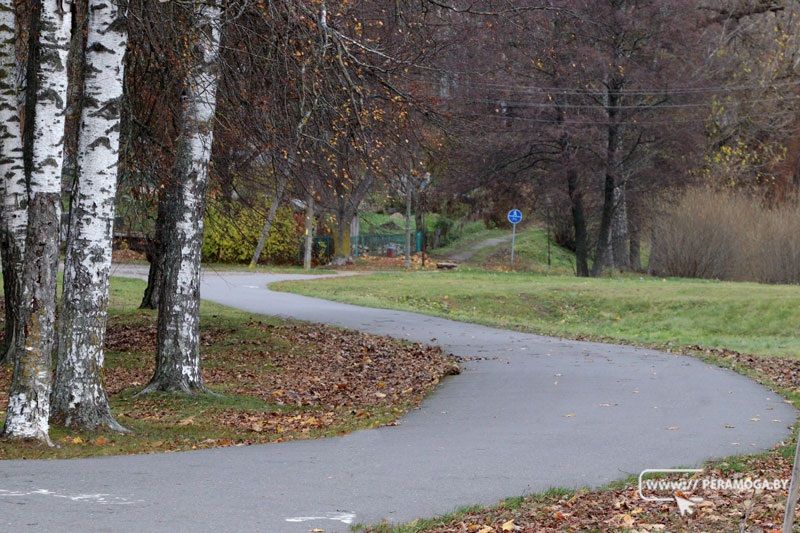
277,381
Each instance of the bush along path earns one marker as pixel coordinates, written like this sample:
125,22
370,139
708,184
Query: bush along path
526,413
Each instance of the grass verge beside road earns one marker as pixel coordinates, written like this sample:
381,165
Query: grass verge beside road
276,380
762,320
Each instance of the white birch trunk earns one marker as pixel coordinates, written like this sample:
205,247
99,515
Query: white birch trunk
79,399
29,399
14,217
178,352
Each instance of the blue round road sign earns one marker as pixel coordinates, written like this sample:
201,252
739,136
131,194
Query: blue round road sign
515,216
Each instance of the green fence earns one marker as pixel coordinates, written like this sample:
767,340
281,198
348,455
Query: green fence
321,251
372,244
375,244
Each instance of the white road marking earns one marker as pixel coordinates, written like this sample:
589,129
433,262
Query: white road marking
106,499
345,518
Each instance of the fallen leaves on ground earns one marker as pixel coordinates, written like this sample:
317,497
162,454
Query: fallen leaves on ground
337,368
126,255
278,382
783,372
622,509
382,262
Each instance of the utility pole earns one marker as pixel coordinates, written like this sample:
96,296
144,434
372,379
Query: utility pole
513,242
309,237
514,217
409,201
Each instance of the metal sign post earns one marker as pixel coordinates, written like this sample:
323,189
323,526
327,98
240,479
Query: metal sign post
514,217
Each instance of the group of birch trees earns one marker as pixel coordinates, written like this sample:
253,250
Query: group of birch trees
101,95
37,52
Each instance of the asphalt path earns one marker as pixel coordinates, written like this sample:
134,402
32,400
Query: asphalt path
527,414
468,253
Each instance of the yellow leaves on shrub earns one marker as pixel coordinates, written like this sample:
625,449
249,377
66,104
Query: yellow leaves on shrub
232,237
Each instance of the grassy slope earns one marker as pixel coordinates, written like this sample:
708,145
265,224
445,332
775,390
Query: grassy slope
531,254
472,234
747,317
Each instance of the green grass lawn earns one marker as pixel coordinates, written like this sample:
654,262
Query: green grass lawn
673,313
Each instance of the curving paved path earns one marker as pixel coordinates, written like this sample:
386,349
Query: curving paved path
470,251
499,429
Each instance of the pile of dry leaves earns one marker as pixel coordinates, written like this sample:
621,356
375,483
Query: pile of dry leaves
623,510
382,262
782,372
310,378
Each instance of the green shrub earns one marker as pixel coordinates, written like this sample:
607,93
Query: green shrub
446,230
232,237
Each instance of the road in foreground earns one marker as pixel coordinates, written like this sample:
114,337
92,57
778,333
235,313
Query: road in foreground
528,413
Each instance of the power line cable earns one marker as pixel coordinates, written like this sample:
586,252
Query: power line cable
599,92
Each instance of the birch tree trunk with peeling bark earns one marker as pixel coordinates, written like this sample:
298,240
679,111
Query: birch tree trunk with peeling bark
12,175
28,410
79,399
178,365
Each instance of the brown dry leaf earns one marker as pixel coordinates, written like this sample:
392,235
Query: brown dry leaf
100,441
508,526
624,520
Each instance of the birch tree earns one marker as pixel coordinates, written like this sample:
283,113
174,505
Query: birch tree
178,350
79,399
29,398
14,217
